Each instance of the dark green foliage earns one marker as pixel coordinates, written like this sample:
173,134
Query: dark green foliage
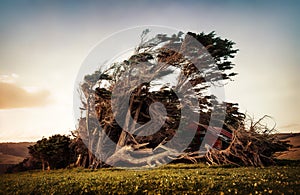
54,151
220,49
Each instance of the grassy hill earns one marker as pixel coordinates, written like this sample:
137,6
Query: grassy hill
169,179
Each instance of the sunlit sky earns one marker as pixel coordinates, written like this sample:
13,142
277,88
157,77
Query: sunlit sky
43,43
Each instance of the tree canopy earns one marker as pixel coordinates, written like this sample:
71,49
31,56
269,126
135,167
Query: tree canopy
53,152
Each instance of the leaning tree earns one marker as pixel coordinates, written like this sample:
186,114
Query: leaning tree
133,116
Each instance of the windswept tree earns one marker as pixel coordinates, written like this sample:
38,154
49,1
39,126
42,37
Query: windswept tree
133,117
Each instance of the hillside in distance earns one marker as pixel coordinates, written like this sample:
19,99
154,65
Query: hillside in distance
13,153
294,152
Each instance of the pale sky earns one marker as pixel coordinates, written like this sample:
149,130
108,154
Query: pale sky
43,43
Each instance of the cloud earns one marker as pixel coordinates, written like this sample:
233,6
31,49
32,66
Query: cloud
13,96
9,78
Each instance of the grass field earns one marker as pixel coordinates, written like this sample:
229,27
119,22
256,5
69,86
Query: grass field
170,179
